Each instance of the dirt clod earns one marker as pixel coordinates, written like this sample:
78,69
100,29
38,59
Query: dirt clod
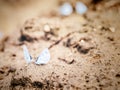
20,82
37,84
25,37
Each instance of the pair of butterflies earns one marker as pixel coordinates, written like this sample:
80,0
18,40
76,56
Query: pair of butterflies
43,58
67,9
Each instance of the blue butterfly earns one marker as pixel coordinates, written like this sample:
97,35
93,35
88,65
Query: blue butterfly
43,58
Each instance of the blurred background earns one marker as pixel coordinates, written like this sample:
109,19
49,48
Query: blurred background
13,13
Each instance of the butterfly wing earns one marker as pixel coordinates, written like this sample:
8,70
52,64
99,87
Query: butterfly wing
44,57
27,56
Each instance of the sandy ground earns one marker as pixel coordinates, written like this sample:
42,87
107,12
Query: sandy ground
85,52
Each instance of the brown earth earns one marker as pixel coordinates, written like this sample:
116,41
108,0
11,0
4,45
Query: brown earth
84,49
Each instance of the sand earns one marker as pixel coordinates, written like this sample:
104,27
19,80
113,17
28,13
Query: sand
84,49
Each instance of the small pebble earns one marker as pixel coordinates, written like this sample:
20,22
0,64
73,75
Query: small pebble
66,9
112,29
81,8
47,28
82,41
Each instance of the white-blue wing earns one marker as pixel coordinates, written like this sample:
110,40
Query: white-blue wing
44,57
27,56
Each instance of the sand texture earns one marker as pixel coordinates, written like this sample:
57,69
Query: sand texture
84,49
